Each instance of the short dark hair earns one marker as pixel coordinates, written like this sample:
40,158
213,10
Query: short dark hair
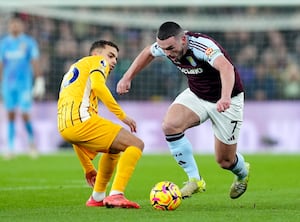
168,29
102,44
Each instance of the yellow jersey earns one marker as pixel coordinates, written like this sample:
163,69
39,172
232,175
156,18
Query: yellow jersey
81,87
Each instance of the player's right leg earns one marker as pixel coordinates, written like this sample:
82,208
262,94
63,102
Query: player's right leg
181,149
178,118
9,153
10,102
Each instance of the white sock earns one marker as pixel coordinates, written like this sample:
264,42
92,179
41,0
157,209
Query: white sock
98,196
239,169
115,192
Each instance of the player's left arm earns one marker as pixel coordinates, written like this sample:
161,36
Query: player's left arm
227,76
215,57
104,94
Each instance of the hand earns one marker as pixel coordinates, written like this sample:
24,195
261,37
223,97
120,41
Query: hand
123,86
131,123
38,90
91,178
223,104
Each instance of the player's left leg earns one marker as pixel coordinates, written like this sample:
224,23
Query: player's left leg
106,167
226,126
228,158
25,106
29,129
28,126
11,134
132,148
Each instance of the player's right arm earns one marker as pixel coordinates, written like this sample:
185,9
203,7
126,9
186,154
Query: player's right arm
85,157
140,62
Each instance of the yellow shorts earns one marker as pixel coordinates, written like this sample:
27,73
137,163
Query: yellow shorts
95,134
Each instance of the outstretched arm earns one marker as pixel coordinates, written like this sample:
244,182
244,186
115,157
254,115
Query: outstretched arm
140,62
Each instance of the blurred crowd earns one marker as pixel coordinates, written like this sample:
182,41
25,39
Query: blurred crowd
268,61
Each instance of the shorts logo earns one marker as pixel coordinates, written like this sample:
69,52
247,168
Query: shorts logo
232,138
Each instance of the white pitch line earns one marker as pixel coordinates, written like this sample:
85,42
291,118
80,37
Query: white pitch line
41,181
42,187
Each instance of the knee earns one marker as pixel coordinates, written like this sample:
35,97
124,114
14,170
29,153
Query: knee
164,126
169,128
140,144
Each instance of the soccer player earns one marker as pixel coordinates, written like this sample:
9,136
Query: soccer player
19,55
80,124
215,92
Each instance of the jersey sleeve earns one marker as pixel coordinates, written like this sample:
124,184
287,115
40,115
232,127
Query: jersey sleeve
209,52
156,51
35,50
2,44
98,85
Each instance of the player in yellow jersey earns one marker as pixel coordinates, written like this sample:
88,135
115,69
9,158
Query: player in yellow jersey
89,133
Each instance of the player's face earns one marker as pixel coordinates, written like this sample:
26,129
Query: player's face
174,47
110,54
15,27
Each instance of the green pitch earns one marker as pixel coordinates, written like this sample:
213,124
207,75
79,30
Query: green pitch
52,188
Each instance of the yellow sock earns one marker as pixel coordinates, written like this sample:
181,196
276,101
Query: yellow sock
106,167
125,168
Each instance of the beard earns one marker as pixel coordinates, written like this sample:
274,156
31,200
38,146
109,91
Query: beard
179,56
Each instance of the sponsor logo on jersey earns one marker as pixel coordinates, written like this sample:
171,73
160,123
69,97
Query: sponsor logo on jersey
189,71
17,54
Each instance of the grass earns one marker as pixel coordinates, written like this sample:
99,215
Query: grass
52,188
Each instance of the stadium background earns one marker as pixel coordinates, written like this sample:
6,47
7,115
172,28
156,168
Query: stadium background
262,38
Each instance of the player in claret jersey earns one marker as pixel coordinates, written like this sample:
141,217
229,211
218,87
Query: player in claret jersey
80,124
215,92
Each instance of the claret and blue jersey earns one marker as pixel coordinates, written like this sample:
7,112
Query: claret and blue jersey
197,64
